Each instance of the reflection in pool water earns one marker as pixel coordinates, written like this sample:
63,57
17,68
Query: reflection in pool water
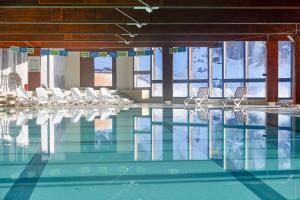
148,153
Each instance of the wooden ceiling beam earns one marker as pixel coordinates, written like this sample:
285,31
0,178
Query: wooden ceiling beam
97,45
195,4
161,16
139,38
147,30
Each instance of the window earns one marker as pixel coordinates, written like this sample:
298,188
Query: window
256,59
103,71
157,67
234,66
148,72
216,65
190,71
142,69
285,69
235,60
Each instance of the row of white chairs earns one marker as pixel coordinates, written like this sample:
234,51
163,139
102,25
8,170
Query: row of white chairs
89,98
239,96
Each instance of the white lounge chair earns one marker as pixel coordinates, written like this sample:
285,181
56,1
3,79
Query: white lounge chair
78,98
239,96
93,97
202,95
23,98
59,98
115,99
42,96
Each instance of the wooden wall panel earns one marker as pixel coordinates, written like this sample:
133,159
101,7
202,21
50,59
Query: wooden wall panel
296,79
272,71
167,75
86,72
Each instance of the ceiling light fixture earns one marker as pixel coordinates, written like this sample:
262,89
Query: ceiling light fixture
132,35
136,22
147,7
123,40
139,25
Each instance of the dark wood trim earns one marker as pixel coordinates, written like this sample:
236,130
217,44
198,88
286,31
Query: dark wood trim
296,72
167,74
272,71
87,72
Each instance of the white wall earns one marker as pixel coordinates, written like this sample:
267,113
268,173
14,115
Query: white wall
72,70
124,73
57,71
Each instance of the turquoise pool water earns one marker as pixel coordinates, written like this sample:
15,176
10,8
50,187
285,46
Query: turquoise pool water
149,153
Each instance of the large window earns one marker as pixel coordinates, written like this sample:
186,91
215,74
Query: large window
222,69
157,67
256,68
142,69
103,75
190,71
285,69
148,72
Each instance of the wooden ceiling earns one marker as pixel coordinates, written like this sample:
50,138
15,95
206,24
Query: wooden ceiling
114,23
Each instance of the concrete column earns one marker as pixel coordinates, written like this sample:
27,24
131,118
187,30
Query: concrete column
34,70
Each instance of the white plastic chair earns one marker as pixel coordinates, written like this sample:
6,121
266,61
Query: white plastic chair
93,97
23,98
59,98
78,98
239,96
115,99
202,95
42,96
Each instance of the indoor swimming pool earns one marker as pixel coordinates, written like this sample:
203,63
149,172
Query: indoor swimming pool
149,153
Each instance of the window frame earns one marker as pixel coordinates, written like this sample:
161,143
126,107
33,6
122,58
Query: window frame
113,72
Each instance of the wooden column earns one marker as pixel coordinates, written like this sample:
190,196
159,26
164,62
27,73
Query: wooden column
272,71
167,75
87,72
296,78
34,75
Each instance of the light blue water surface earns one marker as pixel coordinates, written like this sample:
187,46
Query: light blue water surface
149,153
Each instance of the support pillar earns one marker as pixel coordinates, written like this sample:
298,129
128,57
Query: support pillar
34,70
167,75
87,72
296,74
272,72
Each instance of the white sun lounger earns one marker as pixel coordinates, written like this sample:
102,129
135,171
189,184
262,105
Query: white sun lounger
202,95
113,98
23,98
240,95
78,98
93,97
42,96
59,98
